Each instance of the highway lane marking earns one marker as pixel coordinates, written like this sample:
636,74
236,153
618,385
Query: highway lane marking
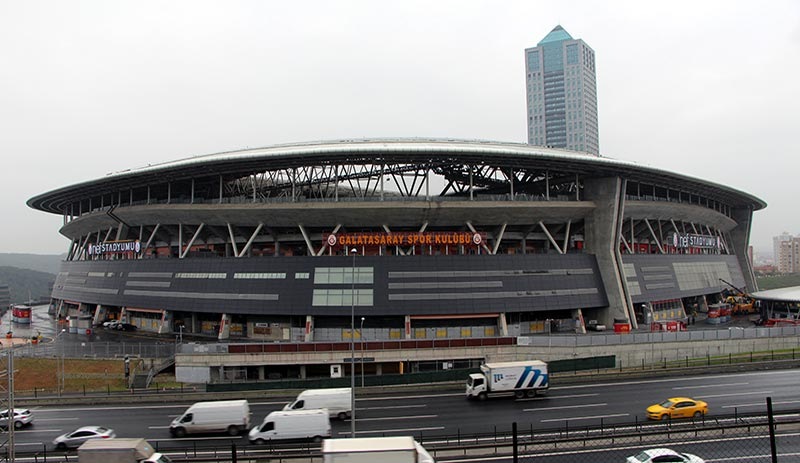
158,427
763,404
91,409
373,431
615,415
28,431
565,407
682,379
386,418
733,394
710,385
187,439
572,396
47,420
392,407
20,444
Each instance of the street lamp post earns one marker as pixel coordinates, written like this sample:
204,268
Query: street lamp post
353,346
60,369
361,338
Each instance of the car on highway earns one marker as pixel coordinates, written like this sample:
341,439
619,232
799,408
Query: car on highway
22,417
79,436
664,456
125,327
677,407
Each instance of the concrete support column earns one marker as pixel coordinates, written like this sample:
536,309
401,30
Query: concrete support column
262,375
60,309
577,317
502,326
309,330
378,369
123,315
224,327
740,239
194,323
99,315
407,327
603,228
302,372
166,322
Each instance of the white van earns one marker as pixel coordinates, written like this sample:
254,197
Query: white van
293,424
231,416
336,400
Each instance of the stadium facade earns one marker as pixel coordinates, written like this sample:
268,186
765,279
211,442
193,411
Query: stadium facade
414,238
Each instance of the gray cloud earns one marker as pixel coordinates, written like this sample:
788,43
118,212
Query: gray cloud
704,88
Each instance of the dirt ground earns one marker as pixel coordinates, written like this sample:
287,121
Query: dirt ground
43,374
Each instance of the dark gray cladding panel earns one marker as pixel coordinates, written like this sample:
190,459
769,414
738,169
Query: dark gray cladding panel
285,285
654,277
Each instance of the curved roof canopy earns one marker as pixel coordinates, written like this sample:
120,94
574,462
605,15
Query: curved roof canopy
372,151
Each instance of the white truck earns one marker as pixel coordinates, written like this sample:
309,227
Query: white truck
119,451
525,379
400,449
336,400
231,416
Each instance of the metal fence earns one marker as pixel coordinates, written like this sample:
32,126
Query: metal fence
611,339
97,350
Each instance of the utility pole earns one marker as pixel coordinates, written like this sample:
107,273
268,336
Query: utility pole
10,425
9,399
353,346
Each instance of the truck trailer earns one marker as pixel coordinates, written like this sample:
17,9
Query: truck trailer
524,379
119,451
398,449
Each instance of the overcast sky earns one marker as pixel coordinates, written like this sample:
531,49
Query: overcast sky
706,88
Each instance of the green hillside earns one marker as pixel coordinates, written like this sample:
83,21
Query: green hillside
777,281
48,263
22,283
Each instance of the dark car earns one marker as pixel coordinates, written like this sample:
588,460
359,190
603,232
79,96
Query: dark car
125,327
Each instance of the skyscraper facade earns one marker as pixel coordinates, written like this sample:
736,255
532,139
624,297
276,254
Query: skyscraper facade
562,93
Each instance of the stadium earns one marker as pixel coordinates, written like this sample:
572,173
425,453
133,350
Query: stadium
396,239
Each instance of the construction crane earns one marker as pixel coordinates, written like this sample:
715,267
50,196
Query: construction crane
741,302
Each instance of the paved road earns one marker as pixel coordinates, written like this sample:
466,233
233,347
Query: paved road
448,412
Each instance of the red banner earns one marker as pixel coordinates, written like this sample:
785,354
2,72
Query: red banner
405,239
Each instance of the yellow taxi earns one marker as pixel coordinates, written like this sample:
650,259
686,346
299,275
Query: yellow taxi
677,407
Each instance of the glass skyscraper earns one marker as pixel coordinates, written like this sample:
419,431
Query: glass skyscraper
562,93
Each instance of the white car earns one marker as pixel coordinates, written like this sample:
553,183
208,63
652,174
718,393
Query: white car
77,437
22,417
111,324
664,456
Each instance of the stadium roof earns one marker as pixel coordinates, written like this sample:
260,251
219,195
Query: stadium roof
385,150
790,294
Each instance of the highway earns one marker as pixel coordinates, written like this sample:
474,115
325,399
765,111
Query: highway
429,414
